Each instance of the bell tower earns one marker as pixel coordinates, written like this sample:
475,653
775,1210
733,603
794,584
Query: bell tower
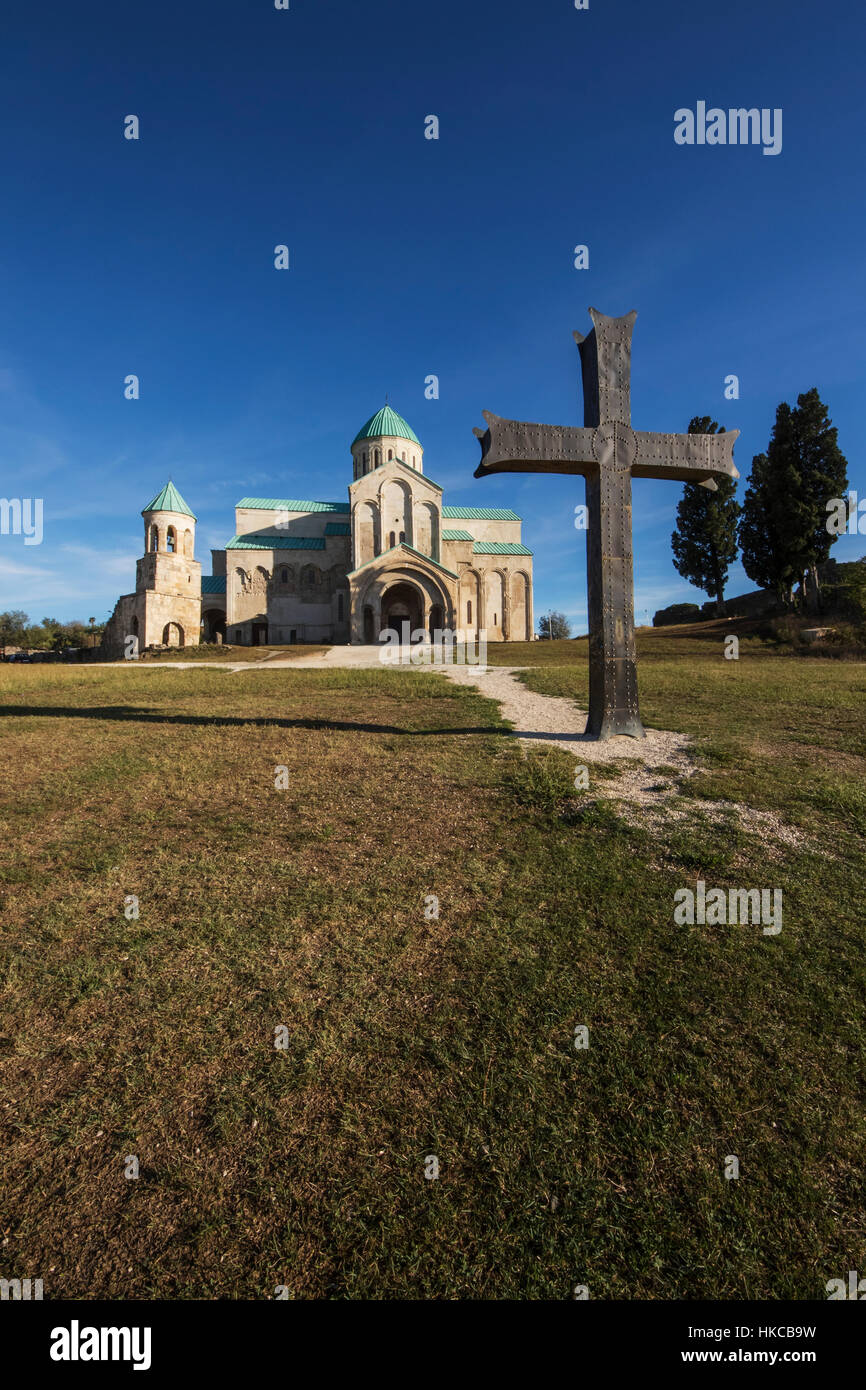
168,577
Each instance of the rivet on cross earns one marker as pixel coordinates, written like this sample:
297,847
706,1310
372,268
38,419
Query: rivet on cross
609,453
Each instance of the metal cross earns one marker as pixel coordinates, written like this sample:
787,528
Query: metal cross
608,453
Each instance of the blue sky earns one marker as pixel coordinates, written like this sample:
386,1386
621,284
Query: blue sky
408,256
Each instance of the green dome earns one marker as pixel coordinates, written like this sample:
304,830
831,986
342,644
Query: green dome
386,421
169,500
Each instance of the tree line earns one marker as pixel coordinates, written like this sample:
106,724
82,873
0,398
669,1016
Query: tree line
781,528
50,635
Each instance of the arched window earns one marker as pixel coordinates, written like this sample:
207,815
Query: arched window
469,610
365,460
284,576
392,539
154,538
390,453
376,457
494,619
402,536
170,541
403,456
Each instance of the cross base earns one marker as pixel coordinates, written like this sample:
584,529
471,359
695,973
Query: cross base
613,723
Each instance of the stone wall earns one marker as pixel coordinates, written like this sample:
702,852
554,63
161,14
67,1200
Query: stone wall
125,621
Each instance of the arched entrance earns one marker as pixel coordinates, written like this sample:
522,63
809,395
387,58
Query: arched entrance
213,624
172,635
436,622
401,604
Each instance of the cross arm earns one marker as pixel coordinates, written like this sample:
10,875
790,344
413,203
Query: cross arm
690,458
513,446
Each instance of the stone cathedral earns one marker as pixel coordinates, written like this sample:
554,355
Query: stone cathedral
329,572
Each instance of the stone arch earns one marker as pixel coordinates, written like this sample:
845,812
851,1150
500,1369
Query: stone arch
431,592
154,538
338,588
395,504
310,580
172,635
436,620
368,542
521,607
402,603
469,612
494,605
427,533
213,621
171,541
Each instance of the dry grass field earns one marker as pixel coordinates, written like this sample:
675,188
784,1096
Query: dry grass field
409,1035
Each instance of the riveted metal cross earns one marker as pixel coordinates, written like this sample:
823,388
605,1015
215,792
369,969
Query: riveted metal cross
608,453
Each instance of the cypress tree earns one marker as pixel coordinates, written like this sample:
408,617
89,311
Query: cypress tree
783,531
705,541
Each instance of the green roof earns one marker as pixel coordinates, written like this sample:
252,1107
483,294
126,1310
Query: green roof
284,504
453,534
404,545
213,583
169,500
480,514
253,542
499,548
337,528
386,421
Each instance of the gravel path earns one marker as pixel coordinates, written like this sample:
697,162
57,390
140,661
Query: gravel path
552,721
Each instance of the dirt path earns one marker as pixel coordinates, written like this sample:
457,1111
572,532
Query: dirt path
551,721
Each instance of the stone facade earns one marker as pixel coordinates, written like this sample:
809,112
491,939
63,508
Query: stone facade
165,609
303,571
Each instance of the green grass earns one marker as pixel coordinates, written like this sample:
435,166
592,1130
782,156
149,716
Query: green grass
407,1036
773,732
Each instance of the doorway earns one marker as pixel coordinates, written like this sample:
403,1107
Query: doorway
402,604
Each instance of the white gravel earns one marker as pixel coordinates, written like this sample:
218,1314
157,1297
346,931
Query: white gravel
552,721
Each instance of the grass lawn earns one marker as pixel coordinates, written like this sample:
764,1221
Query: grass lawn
406,1037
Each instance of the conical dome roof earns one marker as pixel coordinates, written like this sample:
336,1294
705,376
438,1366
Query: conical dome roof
386,422
169,500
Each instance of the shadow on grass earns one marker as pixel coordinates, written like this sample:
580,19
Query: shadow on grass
126,713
